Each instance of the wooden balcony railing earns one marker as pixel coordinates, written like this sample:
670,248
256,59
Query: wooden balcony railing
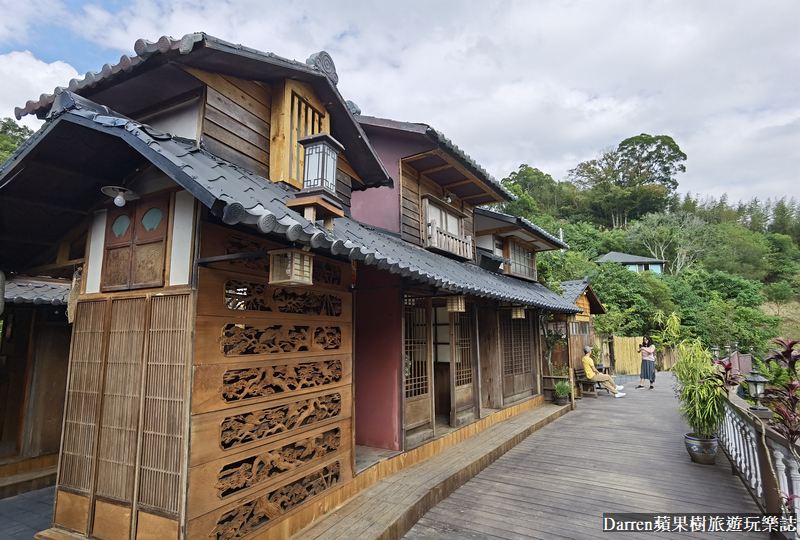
438,238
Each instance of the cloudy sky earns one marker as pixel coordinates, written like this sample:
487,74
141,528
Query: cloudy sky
549,84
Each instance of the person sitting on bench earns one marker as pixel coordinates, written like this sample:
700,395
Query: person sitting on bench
595,376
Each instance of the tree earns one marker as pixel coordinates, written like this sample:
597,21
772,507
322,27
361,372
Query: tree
778,294
738,251
652,160
636,178
677,238
11,136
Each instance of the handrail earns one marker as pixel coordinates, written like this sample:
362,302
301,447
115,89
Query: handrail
740,436
439,238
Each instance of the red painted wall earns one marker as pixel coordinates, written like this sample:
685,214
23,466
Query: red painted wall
378,358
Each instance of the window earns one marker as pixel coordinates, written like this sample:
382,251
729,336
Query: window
135,245
447,221
443,231
523,261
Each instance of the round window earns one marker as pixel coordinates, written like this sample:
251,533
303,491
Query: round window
120,225
151,219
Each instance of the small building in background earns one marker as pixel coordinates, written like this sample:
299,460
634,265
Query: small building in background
634,262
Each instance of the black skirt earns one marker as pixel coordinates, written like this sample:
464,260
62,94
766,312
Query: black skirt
649,370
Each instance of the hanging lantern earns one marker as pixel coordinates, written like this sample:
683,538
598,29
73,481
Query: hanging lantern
291,267
518,312
456,304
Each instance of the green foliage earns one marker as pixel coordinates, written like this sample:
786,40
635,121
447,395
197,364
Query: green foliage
739,251
11,136
772,370
562,389
701,400
651,159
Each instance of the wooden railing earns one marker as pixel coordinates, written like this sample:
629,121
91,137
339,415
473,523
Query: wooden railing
438,238
742,437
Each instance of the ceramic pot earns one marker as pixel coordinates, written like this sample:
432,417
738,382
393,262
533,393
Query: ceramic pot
701,450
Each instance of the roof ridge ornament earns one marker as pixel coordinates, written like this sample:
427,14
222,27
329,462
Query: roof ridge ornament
323,62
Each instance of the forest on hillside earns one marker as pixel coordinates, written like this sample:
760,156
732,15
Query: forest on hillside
733,269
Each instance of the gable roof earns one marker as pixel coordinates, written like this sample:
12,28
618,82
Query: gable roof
573,290
240,197
626,258
438,141
544,240
158,67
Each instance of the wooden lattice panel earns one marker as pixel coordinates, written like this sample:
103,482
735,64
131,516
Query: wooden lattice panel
163,430
116,457
82,392
517,345
462,347
416,346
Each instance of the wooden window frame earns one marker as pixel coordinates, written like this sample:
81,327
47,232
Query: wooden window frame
508,252
136,236
465,246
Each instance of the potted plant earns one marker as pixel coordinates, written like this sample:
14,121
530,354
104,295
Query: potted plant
702,387
562,391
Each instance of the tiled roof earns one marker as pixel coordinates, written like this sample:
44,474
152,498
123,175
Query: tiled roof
214,54
626,258
145,49
21,290
447,145
242,197
525,225
574,289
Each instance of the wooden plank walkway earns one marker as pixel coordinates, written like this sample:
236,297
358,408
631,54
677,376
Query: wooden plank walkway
393,505
610,455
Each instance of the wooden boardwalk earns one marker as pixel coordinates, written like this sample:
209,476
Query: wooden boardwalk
610,455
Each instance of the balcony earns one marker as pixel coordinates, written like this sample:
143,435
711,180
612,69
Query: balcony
439,239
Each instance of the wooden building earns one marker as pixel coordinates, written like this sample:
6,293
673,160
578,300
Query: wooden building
34,354
578,328
238,331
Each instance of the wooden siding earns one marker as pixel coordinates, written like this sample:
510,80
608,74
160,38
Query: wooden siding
583,303
236,120
414,187
271,424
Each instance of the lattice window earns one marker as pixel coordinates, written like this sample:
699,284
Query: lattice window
305,120
82,393
517,345
462,347
116,458
523,261
416,346
160,485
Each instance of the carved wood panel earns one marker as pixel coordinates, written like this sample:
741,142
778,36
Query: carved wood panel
255,470
254,296
255,426
240,384
260,511
246,339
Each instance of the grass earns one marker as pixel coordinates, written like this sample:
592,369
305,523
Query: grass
790,316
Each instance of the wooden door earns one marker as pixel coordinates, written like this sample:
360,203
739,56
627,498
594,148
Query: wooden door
419,406
519,346
462,365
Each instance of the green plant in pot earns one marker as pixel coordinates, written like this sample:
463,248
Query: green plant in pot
562,390
702,387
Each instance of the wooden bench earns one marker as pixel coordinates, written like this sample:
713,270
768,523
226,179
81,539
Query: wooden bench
587,386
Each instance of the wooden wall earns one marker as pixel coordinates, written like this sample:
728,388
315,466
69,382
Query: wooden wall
271,424
236,120
416,186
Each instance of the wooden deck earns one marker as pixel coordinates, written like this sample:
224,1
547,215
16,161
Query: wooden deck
610,455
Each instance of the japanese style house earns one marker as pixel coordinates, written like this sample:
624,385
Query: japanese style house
34,355
238,331
635,263
577,328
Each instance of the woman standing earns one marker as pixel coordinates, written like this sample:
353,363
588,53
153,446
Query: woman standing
648,351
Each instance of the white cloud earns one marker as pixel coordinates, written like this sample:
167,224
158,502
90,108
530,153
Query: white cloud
26,78
19,17
548,83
